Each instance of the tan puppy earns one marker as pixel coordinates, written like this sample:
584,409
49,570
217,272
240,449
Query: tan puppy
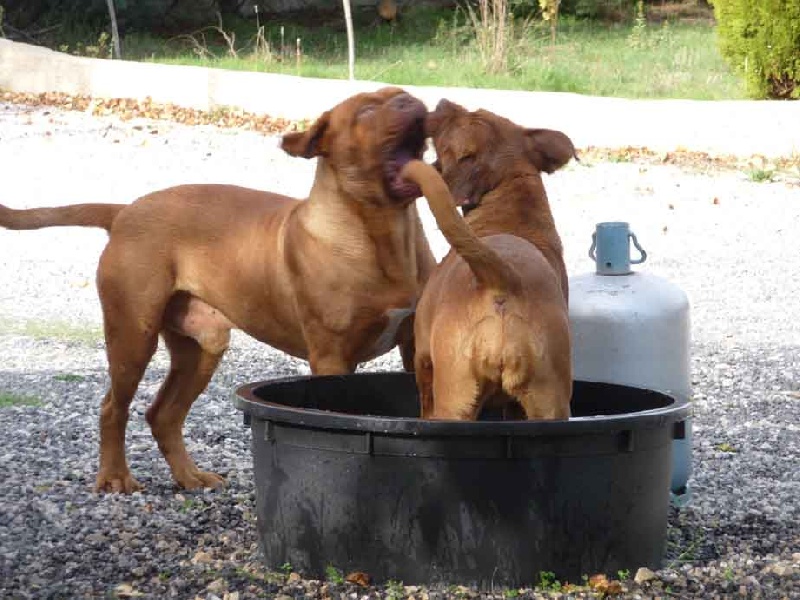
329,279
492,327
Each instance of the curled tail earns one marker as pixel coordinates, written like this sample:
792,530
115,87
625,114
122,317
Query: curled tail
489,268
77,215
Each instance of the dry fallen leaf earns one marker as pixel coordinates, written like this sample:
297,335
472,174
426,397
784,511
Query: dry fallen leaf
359,578
598,580
129,108
601,584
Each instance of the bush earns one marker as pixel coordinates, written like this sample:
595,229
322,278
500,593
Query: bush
761,40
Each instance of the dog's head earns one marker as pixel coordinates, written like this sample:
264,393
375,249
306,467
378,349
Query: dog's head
477,150
365,141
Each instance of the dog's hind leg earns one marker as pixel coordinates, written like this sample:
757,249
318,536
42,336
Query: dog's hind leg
129,349
546,398
133,300
456,392
191,368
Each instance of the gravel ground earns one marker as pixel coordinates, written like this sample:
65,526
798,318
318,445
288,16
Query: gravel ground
731,243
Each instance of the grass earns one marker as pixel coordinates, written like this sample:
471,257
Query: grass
69,378
8,400
761,175
666,59
334,575
60,330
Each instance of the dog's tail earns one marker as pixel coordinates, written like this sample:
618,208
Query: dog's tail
76,215
490,270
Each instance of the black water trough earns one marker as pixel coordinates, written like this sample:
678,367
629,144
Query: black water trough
347,476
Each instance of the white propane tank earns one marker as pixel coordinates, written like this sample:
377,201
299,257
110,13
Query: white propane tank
632,328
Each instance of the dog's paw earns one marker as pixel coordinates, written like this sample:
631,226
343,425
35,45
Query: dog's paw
116,484
197,479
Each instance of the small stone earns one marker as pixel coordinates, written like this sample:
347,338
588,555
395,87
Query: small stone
230,596
783,569
125,590
643,574
201,558
217,586
293,577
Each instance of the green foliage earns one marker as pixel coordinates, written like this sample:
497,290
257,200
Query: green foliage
437,47
69,377
8,400
548,582
760,176
761,40
334,575
395,590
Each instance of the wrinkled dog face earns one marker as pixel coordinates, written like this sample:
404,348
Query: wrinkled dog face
477,150
366,140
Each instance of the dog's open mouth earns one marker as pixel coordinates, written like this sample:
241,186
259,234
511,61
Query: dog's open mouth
409,145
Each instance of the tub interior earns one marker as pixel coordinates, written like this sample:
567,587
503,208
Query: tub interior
394,395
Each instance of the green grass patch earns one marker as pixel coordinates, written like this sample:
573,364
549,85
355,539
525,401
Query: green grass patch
761,175
59,330
69,378
436,47
334,575
8,399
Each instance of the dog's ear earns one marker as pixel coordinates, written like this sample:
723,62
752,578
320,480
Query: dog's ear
548,150
435,119
309,143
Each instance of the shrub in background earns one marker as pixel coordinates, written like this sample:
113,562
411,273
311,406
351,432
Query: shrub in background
761,40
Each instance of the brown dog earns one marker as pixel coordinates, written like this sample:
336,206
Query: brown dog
492,327
329,279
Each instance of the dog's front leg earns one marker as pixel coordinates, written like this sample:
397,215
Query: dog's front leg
191,368
324,362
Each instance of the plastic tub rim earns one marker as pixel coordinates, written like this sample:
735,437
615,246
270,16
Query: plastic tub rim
245,400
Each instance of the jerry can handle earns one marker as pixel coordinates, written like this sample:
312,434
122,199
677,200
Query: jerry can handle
643,254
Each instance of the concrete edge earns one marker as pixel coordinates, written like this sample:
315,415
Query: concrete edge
745,128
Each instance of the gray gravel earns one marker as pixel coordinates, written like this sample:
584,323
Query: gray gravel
729,242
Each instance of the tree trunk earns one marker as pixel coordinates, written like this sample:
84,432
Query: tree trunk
114,31
351,44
